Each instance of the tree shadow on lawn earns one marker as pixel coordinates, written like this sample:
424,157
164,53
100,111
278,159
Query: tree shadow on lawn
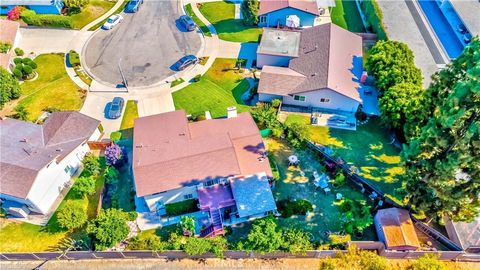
239,90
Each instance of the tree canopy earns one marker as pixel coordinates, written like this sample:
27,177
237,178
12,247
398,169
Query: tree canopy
84,185
72,215
108,228
250,12
443,161
9,87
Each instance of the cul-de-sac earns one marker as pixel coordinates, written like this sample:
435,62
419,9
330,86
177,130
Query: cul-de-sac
240,134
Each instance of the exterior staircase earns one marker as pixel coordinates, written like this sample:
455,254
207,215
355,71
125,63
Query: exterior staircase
216,227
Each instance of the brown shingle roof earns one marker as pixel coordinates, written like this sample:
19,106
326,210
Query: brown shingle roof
309,6
26,147
170,153
326,55
397,228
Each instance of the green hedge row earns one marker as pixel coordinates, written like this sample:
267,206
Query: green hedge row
374,18
73,58
183,207
32,18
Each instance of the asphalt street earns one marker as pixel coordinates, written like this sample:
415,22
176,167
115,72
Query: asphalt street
146,44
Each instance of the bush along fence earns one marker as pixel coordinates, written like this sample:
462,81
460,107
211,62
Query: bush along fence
373,17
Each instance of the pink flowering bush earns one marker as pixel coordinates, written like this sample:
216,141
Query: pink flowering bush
113,154
15,13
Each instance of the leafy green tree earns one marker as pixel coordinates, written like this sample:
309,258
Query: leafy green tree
391,62
188,224
147,242
401,107
197,246
111,175
75,3
108,228
9,87
264,236
250,11
296,241
72,215
20,113
219,246
84,185
443,161
427,262
355,259
297,134
91,164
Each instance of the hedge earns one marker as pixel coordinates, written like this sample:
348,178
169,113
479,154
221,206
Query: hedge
30,17
374,18
183,207
289,208
73,58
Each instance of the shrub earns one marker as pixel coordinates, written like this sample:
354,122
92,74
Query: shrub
289,208
427,262
17,60
249,11
113,154
84,185
15,13
374,18
197,78
32,64
73,58
339,179
297,134
108,228
355,259
111,175
27,70
19,52
91,164
5,47
115,136
132,216
75,3
21,113
17,73
197,246
72,215
188,224
147,242
276,103
183,207
32,18
296,241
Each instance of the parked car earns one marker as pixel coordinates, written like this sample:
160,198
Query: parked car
185,62
188,23
133,6
112,21
116,107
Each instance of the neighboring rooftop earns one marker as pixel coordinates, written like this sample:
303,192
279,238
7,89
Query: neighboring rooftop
396,227
465,234
279,42
171,153
267,6
469,12
252,195
28,147
28,2
9,30
327,56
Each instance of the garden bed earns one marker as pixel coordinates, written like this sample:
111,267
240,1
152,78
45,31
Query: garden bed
183,207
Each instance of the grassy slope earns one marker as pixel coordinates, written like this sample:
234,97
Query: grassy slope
24,237
52,88
345,14
93,10
203,27
131,112
221,15
218,89
368,148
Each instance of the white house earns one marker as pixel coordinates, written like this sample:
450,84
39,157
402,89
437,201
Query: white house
38,161
317,67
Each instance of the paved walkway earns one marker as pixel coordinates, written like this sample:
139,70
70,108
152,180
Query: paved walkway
400,25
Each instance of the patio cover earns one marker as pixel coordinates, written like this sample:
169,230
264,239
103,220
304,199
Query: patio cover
215,197
253,195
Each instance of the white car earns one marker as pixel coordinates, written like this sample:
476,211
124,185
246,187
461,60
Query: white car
112,21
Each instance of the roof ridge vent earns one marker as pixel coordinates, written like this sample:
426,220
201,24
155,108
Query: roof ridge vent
312,50
24,140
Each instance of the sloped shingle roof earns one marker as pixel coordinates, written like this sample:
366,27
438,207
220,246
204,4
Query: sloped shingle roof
309,6
252,195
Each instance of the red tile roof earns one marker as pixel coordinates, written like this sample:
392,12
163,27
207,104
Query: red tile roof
309,6
170,153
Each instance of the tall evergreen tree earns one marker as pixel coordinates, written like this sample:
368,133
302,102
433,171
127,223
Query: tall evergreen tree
443,161
249,10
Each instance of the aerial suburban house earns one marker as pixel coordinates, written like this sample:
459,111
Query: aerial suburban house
38,161
219,163
317,67
39,6
274,13
396,230
9,34
465,234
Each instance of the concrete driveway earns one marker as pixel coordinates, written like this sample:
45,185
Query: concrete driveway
147,42
48,40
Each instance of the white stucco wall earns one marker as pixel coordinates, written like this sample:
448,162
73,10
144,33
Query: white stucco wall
170,196
272,60
337,101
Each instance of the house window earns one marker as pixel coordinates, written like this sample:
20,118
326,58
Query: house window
299,98
188,196
262,19
325,100
67,169
211,182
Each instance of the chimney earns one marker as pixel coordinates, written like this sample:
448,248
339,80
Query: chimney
232,112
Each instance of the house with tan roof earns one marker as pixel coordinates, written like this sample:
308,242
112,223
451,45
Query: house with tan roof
219,164
317,67
9,34
37,161
396,230
277,13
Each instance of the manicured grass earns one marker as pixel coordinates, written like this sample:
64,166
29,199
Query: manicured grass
222,16
90,12
119,10
220,88
131,112
24,237
203,27
368,148
183,207
295,184
177,82
345,14
53,88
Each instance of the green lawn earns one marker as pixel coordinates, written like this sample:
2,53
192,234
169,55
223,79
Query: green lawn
222,16
93,10
53,88
345,14
203,27
368,148
24,237
326,215
220,88
131,112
